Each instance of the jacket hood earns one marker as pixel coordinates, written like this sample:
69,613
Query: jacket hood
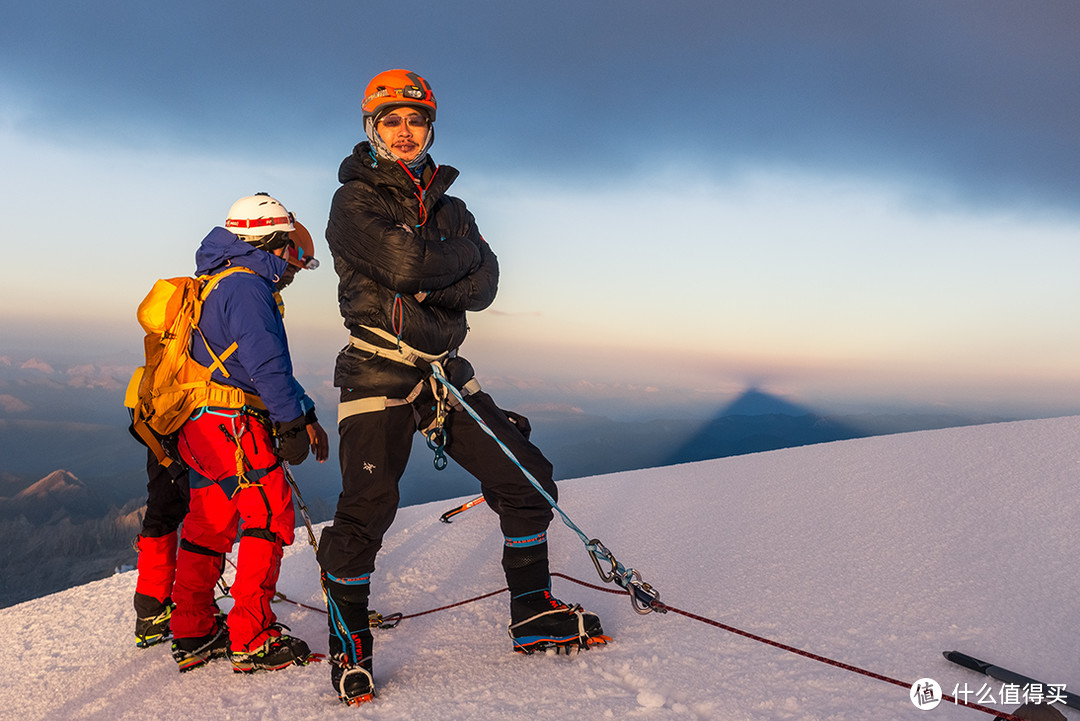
221,248
361,164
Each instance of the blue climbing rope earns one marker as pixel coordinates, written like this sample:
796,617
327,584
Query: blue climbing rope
643,597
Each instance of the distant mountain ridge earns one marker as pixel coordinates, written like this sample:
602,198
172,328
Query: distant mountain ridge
59,532
58,482
58,495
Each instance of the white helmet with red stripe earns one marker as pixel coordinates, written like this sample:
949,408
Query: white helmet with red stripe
257,216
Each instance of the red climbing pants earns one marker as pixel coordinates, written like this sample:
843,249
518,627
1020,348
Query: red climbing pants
235,479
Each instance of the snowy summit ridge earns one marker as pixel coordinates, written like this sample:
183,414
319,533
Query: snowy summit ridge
879,552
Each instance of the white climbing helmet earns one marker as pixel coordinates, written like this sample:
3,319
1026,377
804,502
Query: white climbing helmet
256,216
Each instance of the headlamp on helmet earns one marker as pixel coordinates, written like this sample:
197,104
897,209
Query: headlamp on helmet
396,88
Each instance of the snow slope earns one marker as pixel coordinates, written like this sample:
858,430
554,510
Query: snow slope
879,552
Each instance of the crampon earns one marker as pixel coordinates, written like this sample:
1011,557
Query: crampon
564,645
354,684
560,627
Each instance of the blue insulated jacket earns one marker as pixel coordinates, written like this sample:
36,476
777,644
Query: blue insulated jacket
242,308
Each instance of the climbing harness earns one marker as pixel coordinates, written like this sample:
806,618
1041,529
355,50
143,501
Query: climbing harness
435,432
644,598
243,465
402,352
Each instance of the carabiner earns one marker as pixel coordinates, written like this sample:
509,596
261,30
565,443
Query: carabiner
643,597
377,620
598,550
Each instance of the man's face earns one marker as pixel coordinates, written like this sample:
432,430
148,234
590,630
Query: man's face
405,131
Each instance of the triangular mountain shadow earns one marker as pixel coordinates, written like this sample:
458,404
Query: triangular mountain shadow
754,402
756,422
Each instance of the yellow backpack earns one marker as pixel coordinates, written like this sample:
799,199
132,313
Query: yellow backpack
163,393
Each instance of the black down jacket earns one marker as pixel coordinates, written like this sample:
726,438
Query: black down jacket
392,238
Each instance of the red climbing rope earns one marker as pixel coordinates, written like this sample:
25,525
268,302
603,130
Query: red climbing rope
798,651
717,624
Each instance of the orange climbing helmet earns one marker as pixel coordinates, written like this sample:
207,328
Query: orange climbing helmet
395,88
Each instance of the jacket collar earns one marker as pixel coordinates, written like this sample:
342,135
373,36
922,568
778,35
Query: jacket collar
362,165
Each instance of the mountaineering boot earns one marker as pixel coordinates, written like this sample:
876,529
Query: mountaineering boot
352,680
350,638
157,570
151,620
540,621
275,654
537,619
191,653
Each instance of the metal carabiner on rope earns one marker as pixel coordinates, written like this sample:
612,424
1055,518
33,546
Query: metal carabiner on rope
377,620
599,551
643,597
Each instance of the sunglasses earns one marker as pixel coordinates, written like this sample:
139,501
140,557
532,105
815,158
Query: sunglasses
395,121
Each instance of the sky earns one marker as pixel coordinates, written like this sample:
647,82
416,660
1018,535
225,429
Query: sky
880,553
845,203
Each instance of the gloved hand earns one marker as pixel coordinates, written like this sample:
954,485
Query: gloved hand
292,440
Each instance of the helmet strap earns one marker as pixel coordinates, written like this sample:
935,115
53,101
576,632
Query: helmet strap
270,242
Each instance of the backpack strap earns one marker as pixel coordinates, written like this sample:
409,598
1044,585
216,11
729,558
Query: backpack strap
209,283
